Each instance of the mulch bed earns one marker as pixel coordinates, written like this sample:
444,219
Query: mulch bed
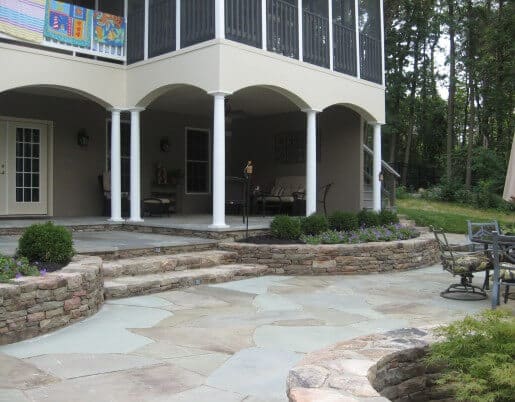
267,239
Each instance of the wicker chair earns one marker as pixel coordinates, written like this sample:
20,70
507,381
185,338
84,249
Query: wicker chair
464,264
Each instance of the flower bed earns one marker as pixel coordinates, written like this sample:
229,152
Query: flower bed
339,258
34,305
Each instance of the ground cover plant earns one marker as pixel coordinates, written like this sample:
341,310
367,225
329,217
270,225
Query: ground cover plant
48,245
452,217
477,355
11,268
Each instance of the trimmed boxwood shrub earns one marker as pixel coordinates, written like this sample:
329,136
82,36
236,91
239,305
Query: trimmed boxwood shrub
387,217
285,227
47,243
368,219
343,221
314,224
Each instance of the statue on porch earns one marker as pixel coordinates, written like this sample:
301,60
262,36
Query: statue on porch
161,174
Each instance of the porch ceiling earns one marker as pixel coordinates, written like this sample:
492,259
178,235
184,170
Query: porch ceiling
255,101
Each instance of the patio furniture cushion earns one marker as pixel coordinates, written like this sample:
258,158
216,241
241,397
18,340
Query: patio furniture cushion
463,264
157,201
507,272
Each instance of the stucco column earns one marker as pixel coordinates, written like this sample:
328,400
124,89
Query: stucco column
219,161
135,166
311,162
116,168
220,19
376,179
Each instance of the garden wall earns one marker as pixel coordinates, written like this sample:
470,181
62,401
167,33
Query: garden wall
31,306
304,259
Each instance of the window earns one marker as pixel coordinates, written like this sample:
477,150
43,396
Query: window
198,161
125,152
27,164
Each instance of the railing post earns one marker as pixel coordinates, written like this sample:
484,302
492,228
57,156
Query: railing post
177,24
331,48
125,14
264,39
220,19
358,53
382,41
145,41
300,17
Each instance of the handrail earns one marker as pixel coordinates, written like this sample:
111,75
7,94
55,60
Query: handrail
383,163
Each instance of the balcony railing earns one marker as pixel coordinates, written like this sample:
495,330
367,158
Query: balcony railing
155,27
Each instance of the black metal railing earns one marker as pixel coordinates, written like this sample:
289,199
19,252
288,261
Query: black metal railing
315,39
197,21
370,58
344,45
243,21
135,32
161,27
282,28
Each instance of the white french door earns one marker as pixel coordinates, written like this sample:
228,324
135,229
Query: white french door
23,168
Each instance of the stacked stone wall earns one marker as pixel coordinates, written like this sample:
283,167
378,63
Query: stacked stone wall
32,306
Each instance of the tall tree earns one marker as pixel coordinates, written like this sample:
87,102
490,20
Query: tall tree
452,87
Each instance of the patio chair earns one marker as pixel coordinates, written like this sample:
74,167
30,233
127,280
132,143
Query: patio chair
503,255
464,264
480,230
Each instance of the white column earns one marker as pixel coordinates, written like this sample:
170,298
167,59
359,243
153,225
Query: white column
301,30
135,166
356,19
377,167
116,168
219,161
145,34
177,24
331,48
311,162
220,19
382,41
263,25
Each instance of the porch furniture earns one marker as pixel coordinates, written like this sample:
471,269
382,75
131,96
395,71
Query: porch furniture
464,264
104,181
503,257
482,230
281,196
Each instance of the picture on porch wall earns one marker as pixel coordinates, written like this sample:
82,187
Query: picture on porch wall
290,147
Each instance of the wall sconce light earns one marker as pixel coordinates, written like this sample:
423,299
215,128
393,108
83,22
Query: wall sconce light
164,144
82,138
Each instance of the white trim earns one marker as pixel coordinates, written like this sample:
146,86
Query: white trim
186,160
145,34
177,24
381,12
331,39
358,50
264,39
300,16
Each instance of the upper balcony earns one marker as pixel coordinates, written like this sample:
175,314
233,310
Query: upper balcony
345,36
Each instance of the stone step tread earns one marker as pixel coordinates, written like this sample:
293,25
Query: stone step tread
169,262
125,286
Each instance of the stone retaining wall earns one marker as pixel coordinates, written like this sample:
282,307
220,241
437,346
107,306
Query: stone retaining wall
32,306
339,258
375,368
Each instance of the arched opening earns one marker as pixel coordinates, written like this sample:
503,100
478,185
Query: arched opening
55,139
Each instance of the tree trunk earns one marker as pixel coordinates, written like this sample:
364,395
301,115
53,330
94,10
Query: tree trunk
452,89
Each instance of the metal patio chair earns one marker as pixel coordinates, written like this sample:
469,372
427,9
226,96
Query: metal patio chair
503,256
464,264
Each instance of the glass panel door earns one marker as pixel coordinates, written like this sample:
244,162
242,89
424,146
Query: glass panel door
3,168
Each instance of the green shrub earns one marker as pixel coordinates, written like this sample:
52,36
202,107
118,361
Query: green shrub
387,217
343,221
46,243
368,219
402,193
285,227
477,354
11,268
314,224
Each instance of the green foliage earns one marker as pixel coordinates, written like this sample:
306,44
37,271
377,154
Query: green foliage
368,219
46,243
402,193
285,227
11,268
387,217
362,235
478,356
343,221
314,224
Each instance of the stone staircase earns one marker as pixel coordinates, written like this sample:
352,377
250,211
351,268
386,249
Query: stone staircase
151,274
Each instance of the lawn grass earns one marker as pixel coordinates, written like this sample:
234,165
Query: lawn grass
452,217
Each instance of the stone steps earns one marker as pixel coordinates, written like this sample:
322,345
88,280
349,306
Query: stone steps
125,286
166,263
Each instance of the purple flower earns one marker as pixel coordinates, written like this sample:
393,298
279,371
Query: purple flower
42,272
18,275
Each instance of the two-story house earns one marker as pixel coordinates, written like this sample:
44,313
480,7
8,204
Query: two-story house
197,87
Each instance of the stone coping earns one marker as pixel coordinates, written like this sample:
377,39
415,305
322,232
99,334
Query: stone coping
302,259
351,371
34,305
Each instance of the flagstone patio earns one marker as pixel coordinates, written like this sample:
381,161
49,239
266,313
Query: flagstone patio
226,342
